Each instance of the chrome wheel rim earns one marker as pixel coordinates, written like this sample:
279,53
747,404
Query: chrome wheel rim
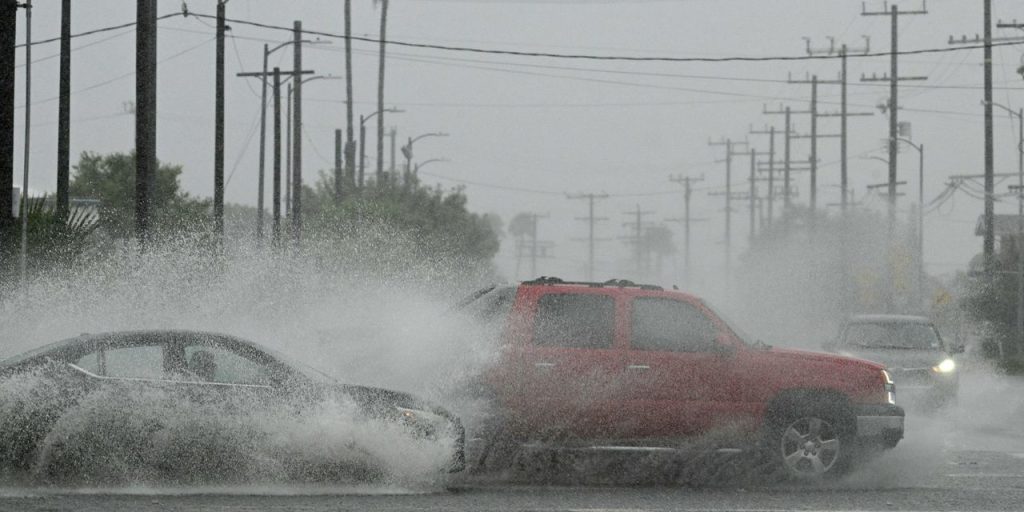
810,447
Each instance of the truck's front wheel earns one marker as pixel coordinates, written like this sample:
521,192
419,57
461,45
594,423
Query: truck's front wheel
812,445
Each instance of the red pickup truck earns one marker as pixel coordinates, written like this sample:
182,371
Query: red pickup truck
618,366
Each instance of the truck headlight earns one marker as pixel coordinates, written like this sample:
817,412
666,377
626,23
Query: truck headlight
946,366
890,387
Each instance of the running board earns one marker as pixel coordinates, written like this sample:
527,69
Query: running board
618,448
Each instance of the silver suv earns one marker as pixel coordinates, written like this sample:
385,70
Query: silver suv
922,364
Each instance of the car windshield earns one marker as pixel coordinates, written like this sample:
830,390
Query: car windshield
900,335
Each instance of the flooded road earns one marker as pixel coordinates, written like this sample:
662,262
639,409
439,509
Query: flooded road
970,457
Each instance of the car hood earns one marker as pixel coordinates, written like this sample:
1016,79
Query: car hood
897,357
381,401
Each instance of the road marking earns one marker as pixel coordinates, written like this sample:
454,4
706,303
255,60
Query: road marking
986,475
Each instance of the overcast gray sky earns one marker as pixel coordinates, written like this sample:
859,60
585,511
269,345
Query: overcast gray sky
524,130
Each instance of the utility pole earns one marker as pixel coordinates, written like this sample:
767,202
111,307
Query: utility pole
591,220
218,129
145,117
639,255
64,113
753,191
729,153
362,150
350,145
392,133
770,132
893,105
989,242
787,163
813,159
687,183
8,42
337,167
380,93
535,245
843,113
263,144
987,40
288,153
28,131
266,77
277,157
297,151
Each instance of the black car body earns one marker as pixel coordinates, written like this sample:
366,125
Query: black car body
921,363
200,367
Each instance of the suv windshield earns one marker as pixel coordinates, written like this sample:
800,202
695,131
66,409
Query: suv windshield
893,335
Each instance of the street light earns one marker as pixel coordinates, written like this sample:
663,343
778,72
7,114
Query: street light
407,149
416,170
1020,215
920,216
362,141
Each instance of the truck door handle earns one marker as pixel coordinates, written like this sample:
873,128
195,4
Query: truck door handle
545,366
638,367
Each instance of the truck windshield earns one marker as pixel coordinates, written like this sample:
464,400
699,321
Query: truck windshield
731,326
490,305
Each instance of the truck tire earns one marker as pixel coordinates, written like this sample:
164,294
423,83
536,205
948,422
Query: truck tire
812,443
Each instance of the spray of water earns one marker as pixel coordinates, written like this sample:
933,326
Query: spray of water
372,311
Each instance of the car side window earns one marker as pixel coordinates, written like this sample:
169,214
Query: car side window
671,325
140,362
90,363
217,364
575,320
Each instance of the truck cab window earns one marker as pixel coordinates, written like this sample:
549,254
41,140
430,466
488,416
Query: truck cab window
572,320
670,325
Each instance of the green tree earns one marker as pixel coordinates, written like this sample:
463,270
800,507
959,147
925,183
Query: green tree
111,180
435,220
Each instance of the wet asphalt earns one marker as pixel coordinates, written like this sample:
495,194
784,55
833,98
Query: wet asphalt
966,458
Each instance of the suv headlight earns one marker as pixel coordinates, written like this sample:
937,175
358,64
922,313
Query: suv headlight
946,366
890,387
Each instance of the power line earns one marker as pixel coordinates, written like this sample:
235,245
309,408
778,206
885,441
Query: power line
101,30
626,58
517,53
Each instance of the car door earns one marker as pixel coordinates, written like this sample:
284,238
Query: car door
677,368
219,369
569,364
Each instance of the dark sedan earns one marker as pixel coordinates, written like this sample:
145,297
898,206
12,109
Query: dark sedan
156,400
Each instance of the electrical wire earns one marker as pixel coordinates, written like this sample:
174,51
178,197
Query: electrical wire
623,58
119,77
241,152
98,30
